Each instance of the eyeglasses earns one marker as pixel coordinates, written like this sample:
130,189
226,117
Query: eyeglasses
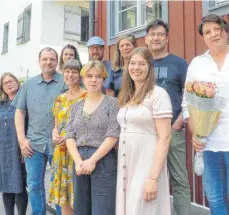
158,34
97,49
8,82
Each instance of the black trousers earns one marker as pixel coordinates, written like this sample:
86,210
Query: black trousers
20,199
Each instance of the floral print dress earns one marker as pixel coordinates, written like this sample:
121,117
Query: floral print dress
61,185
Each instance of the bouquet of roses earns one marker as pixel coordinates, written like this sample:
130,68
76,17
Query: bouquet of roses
204,106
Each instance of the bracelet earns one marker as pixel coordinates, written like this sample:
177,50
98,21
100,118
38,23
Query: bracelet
154,179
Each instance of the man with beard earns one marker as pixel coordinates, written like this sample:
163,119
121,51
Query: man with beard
170,72
96,52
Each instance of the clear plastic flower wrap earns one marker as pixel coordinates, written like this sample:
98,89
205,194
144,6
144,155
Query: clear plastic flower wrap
204,106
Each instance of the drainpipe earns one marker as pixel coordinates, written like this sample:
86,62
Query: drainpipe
92,18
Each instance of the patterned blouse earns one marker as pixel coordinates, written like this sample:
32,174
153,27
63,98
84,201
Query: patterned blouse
92,129
61,109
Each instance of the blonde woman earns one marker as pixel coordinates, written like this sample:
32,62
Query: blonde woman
61,189
92,133
145,120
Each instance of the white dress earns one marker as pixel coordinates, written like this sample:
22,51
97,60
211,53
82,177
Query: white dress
137,146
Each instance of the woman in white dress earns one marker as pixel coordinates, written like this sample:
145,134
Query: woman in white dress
145,120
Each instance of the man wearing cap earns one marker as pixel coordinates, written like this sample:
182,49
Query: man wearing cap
96,52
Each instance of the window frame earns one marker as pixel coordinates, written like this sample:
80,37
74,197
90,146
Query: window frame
219,9
139,31
78,11
84,11
5,40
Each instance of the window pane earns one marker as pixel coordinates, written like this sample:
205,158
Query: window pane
126,4
151,10
128,19
84,26
27,23
5,38
211,4
20,28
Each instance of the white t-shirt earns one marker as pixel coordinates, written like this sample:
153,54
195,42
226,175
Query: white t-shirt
204,68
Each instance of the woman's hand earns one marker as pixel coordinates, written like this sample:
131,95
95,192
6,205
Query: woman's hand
150,190
57,139
78,168
197,145
88,166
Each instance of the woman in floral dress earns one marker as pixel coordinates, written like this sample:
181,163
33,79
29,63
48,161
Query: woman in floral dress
61,188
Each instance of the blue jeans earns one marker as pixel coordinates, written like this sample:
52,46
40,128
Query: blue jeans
35,167
95,193
216,181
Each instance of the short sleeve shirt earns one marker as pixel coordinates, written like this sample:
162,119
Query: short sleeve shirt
170,74
36,97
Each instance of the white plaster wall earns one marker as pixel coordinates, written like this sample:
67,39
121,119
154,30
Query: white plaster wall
53,26
20,57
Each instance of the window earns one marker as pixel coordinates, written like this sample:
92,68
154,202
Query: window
217,3
23,26
5,38
84,26
133,15
76,23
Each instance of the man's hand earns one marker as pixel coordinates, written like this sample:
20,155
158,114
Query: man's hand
26,148
178,124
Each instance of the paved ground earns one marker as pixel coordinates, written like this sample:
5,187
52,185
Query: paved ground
195,210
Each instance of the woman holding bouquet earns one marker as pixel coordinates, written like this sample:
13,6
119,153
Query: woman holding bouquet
213,66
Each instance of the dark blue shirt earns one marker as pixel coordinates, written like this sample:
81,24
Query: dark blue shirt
108,66
115,81
170,74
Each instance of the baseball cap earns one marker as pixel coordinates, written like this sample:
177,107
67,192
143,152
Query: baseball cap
95,41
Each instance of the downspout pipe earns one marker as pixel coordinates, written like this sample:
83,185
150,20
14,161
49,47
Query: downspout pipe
91,18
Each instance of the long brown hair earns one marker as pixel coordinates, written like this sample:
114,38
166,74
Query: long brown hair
3,94
128,85
76,53
119,62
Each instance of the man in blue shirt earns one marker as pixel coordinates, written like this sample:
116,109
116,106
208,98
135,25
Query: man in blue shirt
36,98
96,52
170,72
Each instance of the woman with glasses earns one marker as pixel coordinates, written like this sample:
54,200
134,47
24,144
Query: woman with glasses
124,45
12,169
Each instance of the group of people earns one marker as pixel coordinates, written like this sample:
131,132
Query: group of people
112,132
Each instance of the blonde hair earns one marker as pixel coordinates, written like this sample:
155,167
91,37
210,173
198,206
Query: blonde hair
94,64
119,62
3,94
128,86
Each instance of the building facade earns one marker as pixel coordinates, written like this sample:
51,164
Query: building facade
28,26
